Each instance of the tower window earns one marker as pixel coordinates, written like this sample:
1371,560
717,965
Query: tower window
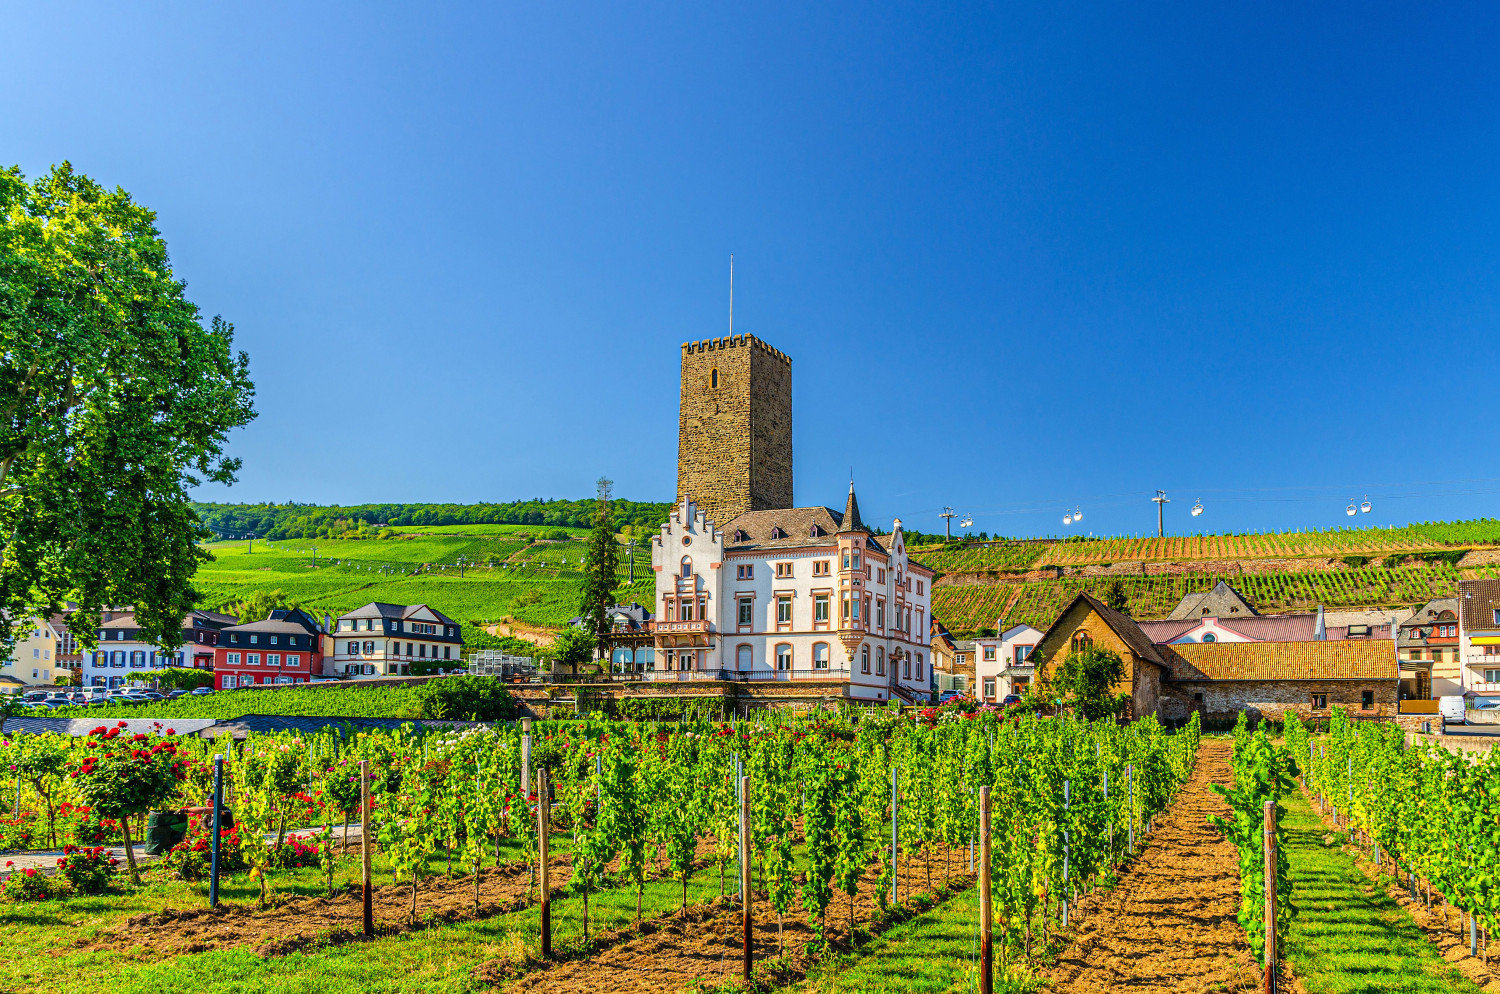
713,380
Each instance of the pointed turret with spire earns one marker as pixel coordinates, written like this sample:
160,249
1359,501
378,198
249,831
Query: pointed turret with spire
851,522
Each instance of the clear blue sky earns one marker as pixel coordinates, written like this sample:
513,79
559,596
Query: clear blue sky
1023,256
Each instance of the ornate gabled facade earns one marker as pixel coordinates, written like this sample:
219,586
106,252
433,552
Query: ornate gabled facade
798,594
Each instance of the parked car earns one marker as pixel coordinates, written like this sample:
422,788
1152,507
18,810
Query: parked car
949,695
200,691
1011,699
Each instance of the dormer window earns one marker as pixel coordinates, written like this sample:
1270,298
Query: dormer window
814,531
739,536
777,532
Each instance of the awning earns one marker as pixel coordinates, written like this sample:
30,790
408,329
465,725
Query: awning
1485,640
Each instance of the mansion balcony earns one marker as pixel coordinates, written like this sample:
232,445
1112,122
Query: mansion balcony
681,627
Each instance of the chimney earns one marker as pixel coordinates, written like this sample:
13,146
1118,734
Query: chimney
327,623
1320,630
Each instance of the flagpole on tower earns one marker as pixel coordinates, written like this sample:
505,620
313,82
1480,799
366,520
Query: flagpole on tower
731,293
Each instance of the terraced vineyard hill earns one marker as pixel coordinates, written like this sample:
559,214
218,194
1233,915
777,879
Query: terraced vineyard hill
471,573
1032,580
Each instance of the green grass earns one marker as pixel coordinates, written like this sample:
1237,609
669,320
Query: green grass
537,583
370,701
439,960
934,953
1349,937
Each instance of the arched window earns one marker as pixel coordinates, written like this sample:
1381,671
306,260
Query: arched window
1083,642
820,655
744,658
864,659
879,661
783,657
1210,637
713,380
687,567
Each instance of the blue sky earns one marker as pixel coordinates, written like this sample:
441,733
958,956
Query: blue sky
1023,257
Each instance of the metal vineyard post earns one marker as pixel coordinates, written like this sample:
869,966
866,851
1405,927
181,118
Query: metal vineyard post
364,845
213,871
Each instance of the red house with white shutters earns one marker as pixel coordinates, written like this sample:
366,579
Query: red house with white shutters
286,648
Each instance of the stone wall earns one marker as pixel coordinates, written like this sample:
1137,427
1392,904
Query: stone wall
1272,698
734,440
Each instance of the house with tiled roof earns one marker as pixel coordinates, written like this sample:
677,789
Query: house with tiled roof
122,652
382,639
1479,635
1427,644
284,648
1222,678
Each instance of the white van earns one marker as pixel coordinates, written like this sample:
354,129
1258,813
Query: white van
1452,710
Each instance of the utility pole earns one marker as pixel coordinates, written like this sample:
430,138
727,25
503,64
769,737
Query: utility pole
948,517
1160,500
252,543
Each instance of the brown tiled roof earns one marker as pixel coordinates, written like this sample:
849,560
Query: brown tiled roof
1343,660
1477,602
1125,627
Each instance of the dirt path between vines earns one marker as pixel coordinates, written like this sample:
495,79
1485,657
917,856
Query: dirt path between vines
706,944
1169,925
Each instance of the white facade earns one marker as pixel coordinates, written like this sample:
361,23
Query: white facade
32,661
387,639
1002,664
791,595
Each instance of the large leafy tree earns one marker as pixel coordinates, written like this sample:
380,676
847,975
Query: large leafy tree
600,574
115,399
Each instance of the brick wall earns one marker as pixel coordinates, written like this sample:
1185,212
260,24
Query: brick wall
1272,698
734,440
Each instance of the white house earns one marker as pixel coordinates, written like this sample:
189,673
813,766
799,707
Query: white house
800,594
121,652
1479,635
1002,663
386,639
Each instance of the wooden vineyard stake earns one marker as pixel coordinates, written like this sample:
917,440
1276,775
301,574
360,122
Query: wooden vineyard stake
1269,833
895,834
525,755
364,846
543,818
986,905
747,897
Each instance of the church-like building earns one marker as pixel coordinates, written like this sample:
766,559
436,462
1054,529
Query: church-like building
749,587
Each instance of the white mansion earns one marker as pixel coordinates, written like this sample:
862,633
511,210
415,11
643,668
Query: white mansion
803,594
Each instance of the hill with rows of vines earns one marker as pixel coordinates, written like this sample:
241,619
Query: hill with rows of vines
989,584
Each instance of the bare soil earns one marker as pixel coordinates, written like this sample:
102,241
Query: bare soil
300,922
706,943
1169,924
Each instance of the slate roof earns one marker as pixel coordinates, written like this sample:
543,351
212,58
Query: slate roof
796,524
1223,601
379,609
1298,627
1478,600
1345,660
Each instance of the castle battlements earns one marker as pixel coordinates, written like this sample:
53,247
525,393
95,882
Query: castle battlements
735,342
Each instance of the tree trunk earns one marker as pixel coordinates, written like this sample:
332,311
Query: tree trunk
135,876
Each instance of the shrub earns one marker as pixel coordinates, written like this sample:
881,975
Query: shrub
480,698
32,884
89,871
295,852
19,833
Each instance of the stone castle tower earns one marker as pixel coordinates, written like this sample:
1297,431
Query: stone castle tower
734,434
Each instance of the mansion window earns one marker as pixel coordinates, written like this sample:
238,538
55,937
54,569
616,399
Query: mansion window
353,648
820,609
906,668
989,653
846,559
370,647
880,576
879,661
919,667
293,660
252,659
746,612
783,657
783,570
684,610
856,561
864,659
746,572
822,567
232,658
844,608
783,609
919,586
273,659
989,688
880,613
820,655
687,567
743,658
1023,653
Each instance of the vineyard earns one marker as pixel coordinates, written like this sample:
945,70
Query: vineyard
471,577
967,608
1013,555
852,820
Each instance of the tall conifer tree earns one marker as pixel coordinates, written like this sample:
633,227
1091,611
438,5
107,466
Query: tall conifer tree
599,576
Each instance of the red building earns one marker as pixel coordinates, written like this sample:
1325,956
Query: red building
285,648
